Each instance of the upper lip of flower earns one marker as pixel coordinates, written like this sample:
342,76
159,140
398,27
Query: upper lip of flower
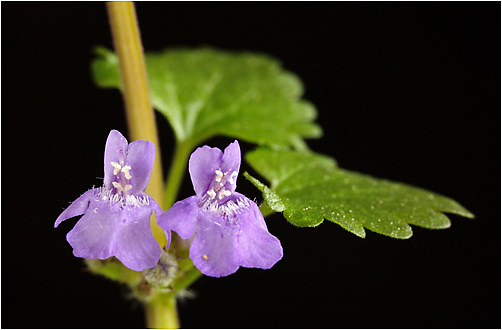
221,187
127,166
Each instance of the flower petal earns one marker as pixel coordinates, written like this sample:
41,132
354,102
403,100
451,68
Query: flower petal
78,207
202,166
213,248
109,229
94,234
182,217
256,247
115,151
135,245
231,160
140,156
153,204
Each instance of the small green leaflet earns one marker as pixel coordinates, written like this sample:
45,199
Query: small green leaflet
309,188
206,92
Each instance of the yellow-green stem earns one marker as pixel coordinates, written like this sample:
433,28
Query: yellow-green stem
139,112
161,309
161,312
177,171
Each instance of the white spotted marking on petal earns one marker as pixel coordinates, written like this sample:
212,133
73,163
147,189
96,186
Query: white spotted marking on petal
116,166
224,193
211,194
219,175
232,177
126,170
118,186
128,200
228,209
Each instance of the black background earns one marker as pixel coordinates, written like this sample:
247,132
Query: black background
405,91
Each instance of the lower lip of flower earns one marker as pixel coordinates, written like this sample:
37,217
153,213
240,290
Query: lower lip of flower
127,200
228,209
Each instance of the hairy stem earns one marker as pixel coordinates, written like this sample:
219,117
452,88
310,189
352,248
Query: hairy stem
161,312
139,112
161,309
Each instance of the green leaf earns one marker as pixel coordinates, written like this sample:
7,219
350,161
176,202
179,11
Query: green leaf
206,92
273,201
311,188
106,69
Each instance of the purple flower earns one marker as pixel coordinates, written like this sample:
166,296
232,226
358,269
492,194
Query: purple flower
116,219
228,229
